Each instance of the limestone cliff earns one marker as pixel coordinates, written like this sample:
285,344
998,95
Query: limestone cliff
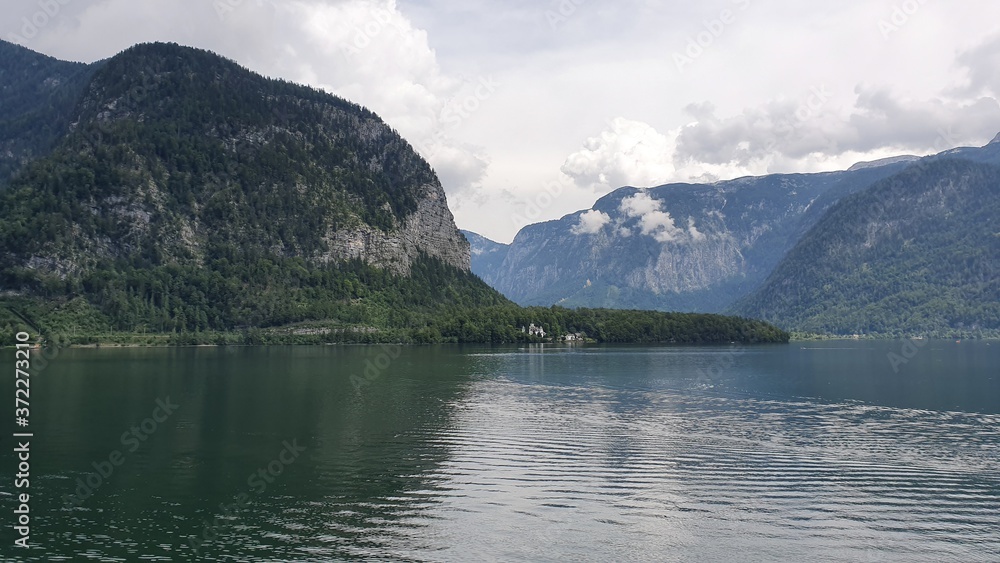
430,230
178,156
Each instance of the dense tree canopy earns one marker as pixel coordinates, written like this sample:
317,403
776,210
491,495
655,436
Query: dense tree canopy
194,198
916,254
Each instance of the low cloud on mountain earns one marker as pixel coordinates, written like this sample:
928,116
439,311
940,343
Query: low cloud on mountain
591,222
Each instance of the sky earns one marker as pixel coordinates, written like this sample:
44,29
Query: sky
530,110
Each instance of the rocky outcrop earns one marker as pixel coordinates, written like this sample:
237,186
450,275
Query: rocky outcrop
429,230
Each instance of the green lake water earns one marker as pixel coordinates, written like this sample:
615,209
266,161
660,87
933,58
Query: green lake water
829,451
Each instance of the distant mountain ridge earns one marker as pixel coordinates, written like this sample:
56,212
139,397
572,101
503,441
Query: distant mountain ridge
916,254
37,97
688,247
486,255
883,162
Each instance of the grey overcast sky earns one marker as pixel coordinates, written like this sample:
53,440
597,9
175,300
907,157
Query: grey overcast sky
531,110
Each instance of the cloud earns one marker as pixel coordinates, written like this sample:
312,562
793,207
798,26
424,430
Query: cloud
881,120
459,166
653,221
638,205
563,87
367,51
789,133
626,153
696,235
981,64
591,222
376,56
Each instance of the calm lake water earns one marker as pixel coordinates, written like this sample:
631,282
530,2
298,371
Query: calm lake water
802,452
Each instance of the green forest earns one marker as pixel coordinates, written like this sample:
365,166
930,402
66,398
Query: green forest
193,201
917,254
265,301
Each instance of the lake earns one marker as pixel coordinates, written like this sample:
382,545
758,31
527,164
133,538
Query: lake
825,451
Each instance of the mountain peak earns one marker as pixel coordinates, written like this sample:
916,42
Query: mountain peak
995,140
882,162
288,166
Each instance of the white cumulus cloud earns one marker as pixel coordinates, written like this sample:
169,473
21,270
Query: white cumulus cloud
653,221
696,235
591,222
628,153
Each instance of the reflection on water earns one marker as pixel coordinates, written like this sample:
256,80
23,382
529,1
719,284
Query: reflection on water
531,454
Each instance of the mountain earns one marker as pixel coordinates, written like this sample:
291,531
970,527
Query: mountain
883,162
487,255
169,191
37,96
915,254
178,154
184,178
685,247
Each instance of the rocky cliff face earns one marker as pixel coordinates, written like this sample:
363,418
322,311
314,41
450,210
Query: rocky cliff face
429,230
176,155
687,247
676,247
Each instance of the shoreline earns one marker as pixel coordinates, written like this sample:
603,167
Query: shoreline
792,341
